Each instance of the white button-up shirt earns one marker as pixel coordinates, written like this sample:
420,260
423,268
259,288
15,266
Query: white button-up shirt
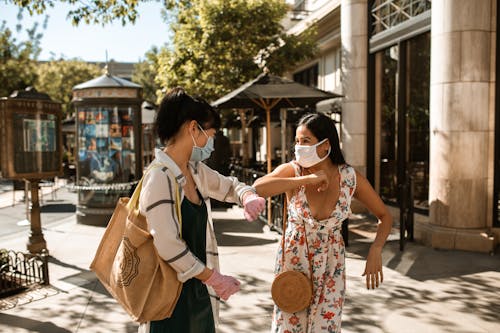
158,203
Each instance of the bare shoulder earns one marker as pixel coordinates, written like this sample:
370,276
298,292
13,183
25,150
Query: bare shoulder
284,170
359,175
363,186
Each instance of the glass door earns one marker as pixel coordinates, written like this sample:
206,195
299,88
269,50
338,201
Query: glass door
417,116
386,109
402,77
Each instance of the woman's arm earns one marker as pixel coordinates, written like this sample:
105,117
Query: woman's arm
157,202
283,180
367,195
220,187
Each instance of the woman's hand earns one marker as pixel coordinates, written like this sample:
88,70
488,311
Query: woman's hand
253,206
318,178
373,268
223,285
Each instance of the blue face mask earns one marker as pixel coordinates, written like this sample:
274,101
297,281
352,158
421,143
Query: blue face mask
199,154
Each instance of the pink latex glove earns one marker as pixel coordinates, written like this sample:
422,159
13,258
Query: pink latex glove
223,285
253,205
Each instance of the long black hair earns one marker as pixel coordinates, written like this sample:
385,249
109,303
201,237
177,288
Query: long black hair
322,126
177,107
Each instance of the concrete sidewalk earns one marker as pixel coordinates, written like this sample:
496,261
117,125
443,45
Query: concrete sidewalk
424,290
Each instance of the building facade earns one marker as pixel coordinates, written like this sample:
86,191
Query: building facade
419,108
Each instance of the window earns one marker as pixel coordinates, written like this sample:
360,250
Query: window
387,14
308,76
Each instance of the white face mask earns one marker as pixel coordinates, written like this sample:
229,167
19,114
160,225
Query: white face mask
307,156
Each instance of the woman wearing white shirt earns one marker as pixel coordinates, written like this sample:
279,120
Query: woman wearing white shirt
186,126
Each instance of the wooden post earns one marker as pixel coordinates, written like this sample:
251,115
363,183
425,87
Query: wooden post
36,241
244,138
267,105
269,164
283,135
268,140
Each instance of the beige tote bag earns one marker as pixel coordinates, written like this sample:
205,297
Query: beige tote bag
128,265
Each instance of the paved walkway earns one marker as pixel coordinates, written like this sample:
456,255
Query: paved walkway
425,290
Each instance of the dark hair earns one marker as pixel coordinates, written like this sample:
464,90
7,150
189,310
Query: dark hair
323,127
177,107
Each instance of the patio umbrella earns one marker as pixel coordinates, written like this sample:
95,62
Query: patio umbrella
269,91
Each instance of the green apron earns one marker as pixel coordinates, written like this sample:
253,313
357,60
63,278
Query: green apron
193,312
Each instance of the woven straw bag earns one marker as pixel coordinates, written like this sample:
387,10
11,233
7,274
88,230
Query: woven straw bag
129,267
292,291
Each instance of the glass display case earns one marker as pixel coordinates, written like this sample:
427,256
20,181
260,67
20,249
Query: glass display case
31,149
30,125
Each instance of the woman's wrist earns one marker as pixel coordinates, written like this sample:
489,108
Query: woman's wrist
205,275
307,179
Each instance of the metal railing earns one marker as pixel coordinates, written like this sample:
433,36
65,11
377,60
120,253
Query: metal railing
19,271
406,212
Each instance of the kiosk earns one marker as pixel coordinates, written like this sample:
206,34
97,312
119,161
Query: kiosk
31,149
108,145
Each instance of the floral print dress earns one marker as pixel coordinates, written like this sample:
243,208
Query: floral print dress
326,250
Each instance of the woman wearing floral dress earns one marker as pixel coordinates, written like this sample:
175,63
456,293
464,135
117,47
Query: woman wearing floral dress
319,187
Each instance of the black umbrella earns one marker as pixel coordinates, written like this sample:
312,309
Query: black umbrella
270,91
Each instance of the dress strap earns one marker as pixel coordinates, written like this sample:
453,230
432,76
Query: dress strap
349,179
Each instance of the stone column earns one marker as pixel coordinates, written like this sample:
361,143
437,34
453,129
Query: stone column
353,27
461,126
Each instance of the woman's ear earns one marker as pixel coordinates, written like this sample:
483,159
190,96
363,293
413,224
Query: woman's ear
192,125
328,145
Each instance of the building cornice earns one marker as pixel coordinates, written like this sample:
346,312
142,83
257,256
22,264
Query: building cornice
316,16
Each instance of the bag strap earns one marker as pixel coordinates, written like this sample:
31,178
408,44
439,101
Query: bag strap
133,203
285,219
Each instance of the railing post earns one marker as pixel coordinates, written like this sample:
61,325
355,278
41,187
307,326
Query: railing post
406,212
45,267
411,210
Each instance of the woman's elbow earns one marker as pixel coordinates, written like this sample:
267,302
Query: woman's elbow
260,188
257,185
385,217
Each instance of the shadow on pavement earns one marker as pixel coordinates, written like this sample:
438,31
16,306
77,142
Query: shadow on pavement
84,279
79,311
30,324
460,281
423,305
58,208
417,261
232,233
424,263
254,324
257,292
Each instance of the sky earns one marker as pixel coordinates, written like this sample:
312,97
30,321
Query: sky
126,43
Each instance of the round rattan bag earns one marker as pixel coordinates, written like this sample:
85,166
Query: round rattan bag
292,291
